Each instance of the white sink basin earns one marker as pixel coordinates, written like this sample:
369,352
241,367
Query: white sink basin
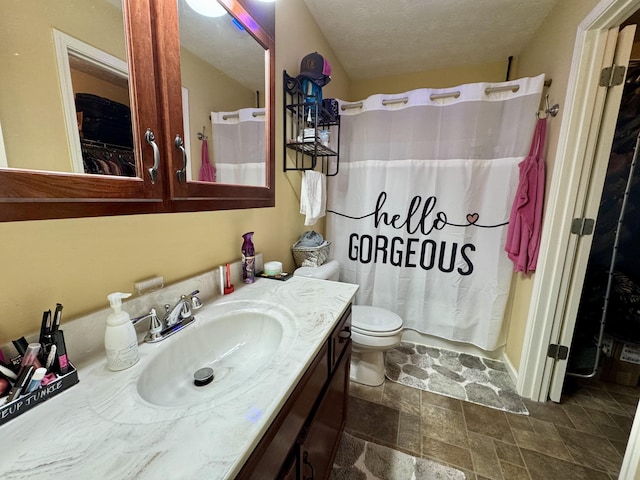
238,340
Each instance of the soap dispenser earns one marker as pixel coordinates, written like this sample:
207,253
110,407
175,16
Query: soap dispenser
120,339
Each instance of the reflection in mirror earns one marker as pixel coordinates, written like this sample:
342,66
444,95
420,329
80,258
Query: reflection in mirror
223,70
59,56
95,96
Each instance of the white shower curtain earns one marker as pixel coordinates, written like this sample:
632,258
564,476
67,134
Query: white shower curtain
239,146
418,212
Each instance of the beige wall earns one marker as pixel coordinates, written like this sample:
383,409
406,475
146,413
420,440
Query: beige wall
550,51
78,262
441,78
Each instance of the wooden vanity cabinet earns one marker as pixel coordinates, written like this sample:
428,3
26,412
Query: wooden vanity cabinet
302,441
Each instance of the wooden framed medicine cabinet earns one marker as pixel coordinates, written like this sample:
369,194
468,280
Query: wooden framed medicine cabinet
167,97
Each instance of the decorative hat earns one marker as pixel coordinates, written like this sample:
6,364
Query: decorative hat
316,68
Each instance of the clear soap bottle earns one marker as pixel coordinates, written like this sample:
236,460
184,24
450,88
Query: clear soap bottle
120,339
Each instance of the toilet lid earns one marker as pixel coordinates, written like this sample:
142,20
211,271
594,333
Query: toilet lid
374,319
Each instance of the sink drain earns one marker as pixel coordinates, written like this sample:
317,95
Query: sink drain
203,376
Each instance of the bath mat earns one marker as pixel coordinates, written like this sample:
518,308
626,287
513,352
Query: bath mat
361,460
458,375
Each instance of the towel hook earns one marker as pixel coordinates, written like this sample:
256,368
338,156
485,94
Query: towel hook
201,135
549,111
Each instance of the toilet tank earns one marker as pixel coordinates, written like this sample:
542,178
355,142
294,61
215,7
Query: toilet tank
326,271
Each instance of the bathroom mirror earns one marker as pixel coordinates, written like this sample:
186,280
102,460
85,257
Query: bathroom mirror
223,99
52,51
78,98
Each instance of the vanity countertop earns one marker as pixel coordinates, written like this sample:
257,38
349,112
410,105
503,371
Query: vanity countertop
101,429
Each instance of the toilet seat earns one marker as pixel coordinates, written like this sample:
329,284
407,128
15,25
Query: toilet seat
375,321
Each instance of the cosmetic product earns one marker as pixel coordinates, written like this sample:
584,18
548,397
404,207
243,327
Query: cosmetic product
120,338
21,345
248,258
273,268
51,357
30,357
324,138
61,352
56,317
7,372
228,286
48,378
5,386
36,379
44,327
21,383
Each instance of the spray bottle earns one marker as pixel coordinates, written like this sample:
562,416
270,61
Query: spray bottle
248,259
120,339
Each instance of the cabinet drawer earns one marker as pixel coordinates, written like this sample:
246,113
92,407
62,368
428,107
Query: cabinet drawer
339,339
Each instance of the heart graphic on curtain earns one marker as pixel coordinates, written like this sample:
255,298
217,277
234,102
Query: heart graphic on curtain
472,218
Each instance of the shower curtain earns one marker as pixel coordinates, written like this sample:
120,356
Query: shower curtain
239,146
417,215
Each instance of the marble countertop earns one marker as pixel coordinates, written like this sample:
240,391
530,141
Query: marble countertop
101,428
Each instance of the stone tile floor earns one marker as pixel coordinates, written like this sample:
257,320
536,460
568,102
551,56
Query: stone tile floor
583,437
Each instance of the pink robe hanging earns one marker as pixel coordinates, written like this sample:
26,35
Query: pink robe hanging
523,233
207,170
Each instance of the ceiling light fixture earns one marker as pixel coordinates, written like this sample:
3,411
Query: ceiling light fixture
208,8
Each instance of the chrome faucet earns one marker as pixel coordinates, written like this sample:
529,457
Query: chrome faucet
176,318
155,326
182,310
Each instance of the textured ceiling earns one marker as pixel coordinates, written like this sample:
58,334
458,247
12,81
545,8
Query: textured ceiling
374,38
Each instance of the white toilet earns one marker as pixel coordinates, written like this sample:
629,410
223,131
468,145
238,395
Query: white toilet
373,330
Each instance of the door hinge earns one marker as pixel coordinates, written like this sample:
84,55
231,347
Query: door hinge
612,76
582,226
558,352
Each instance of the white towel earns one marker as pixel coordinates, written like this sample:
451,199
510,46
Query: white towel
313,196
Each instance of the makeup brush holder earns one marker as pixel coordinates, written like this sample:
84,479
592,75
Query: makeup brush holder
26,402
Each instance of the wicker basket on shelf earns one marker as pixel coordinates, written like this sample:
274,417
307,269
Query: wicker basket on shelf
311,256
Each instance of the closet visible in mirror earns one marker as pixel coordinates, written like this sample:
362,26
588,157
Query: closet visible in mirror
57,161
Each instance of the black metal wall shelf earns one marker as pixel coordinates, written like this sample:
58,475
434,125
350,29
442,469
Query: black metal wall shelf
304,148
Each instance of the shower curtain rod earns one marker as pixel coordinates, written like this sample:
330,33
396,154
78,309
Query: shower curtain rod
236,115
437,96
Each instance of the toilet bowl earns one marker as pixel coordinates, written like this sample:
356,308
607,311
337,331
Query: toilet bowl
373,330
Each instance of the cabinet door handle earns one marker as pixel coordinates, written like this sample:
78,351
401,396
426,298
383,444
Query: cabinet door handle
344,335
305,460
182,173
151,140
